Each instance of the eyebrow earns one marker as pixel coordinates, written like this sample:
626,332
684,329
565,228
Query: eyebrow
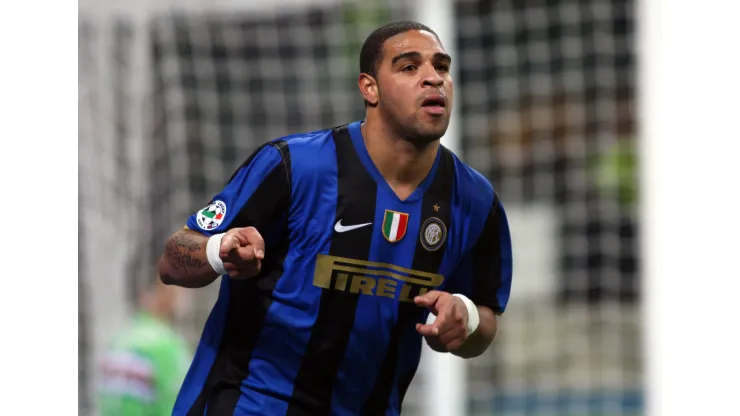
439,56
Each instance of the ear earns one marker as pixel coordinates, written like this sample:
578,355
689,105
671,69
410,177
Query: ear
368,88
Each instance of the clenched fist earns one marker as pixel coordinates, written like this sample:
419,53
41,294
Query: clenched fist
242,251
449,330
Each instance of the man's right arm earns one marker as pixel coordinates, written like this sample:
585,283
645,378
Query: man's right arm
184,262
255,200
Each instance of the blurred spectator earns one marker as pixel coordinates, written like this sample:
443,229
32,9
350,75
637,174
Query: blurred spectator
147,360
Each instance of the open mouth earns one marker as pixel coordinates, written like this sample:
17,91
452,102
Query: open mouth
434,101
434,105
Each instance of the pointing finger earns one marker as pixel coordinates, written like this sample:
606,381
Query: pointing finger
228,243
241,255
427,330
428,299
255,239
245,253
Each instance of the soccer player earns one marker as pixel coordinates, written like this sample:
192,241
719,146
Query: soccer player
147,360
334,247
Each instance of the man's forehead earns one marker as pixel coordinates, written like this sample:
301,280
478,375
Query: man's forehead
413,40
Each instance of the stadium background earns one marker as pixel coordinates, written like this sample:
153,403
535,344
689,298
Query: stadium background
174,96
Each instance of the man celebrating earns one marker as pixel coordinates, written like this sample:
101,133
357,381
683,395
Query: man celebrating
336,245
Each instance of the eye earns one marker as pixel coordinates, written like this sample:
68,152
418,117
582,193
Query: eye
408,68
443,68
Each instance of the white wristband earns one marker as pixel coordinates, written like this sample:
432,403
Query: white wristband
473,316
213,249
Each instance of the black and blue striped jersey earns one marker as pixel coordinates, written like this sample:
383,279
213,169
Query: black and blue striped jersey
328,325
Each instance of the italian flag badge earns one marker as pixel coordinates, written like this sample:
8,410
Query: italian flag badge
395,225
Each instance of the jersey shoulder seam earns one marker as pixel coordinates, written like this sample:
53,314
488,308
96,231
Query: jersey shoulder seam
281,146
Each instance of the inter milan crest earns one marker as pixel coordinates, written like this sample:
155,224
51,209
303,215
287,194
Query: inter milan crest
395,225
211,216
433,233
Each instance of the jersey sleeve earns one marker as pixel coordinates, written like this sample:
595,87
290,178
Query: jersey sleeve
257,195
486,271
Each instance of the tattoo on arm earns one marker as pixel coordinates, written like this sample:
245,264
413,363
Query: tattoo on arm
181,252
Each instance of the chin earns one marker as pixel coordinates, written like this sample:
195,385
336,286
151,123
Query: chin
421,140
422,129
429,132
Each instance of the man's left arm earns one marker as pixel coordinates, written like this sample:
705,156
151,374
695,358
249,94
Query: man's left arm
478,342
448,332
466,320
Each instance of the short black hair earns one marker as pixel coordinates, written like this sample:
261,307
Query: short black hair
372,50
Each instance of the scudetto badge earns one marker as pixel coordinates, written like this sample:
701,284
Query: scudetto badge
210,217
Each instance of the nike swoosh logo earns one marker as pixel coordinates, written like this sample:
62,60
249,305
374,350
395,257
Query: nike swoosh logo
338,227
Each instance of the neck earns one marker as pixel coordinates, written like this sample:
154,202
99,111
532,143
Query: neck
158,313
155,309
403,164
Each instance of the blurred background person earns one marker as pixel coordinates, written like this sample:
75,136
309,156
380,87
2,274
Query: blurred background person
146,362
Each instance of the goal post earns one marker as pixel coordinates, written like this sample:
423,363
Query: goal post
445,387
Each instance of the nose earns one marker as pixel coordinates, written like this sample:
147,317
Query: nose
431,78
